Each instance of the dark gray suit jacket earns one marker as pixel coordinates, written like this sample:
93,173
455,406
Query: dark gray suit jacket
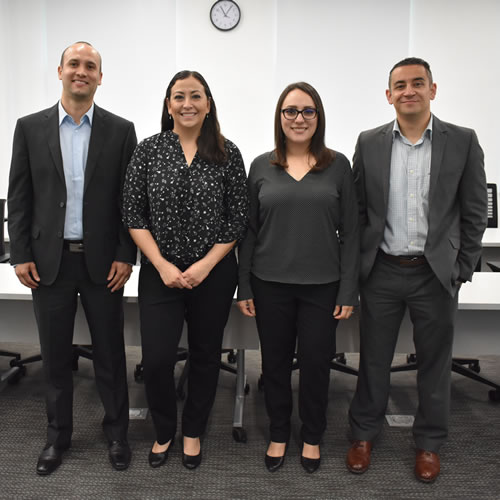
37,194
457,199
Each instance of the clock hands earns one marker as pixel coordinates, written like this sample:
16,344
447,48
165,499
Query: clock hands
225,12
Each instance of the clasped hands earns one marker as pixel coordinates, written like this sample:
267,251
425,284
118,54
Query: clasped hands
173,277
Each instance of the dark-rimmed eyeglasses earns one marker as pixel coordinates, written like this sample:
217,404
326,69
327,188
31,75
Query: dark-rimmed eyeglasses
307,113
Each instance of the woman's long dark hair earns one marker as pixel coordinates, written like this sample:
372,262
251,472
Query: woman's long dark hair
317,148
210,142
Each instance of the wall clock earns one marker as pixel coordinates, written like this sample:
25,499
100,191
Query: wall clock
225,15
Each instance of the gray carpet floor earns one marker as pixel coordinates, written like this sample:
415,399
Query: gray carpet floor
230,470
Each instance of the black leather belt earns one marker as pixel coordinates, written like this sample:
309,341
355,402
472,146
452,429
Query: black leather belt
404,260
75,246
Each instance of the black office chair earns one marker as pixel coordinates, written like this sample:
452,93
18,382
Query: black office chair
469,367
13,374
183,355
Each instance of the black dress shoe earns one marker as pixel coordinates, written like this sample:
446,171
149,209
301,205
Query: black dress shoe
119,454
191,461
49,460
158,459
310,464
274,463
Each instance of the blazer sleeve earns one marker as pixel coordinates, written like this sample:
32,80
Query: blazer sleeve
473,201
359,183
126,250
20,199
349,242
247,246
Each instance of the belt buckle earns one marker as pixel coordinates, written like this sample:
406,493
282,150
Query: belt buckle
76,247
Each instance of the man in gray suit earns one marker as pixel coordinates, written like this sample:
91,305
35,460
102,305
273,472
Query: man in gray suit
423,209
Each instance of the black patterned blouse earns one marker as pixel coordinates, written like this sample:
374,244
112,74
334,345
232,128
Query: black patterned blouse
187,209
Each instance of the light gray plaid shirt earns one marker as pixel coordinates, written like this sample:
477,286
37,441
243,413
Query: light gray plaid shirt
408,207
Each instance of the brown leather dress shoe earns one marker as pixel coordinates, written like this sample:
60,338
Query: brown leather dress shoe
427,466
358,456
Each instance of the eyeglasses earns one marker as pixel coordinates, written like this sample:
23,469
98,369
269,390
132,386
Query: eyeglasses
307,113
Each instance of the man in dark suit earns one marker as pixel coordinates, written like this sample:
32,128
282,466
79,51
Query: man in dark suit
423,210
67,239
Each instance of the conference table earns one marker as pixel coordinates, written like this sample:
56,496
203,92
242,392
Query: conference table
477,329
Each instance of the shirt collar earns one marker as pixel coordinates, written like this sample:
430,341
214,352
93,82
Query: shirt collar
428,130
62,114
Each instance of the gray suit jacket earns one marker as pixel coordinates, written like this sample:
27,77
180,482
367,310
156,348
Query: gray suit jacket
457,199
37,194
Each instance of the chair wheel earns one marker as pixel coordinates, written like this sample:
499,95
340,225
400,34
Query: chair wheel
341,359
239,435
247,389
494,395
260,383
138,373
231,357
475,367
16,377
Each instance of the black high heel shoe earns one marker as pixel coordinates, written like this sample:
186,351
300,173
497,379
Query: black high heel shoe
274,463
191,461
310,465
158,459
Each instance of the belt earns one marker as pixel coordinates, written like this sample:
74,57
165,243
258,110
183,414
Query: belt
404,260
75,246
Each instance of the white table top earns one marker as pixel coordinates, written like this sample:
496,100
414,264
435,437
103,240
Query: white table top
482,294
491,237
12,289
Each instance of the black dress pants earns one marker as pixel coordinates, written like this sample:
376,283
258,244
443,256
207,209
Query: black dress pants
288,317
388,292
163,311
55,308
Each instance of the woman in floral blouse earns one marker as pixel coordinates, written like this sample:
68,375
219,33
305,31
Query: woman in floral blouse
186,206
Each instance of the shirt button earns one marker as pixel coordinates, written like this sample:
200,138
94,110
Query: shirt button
61,204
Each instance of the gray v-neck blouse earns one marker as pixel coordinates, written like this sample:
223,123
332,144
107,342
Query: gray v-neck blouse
302,232
187,208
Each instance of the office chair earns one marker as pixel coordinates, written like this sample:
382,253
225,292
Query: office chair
14,373
183,355
469,367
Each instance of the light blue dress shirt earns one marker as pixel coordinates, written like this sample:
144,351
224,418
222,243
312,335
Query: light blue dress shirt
74,140
408,204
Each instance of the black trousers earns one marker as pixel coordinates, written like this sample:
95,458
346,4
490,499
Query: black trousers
289,317
55,308
389,290
163,311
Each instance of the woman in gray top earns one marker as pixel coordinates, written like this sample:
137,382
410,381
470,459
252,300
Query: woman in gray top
299,265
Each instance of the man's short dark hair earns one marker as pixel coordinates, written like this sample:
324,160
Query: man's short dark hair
412,61
61,63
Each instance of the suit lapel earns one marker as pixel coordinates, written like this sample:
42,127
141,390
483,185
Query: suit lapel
385,149
53,141
97,139
439,137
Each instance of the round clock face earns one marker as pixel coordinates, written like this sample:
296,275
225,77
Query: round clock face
225,15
